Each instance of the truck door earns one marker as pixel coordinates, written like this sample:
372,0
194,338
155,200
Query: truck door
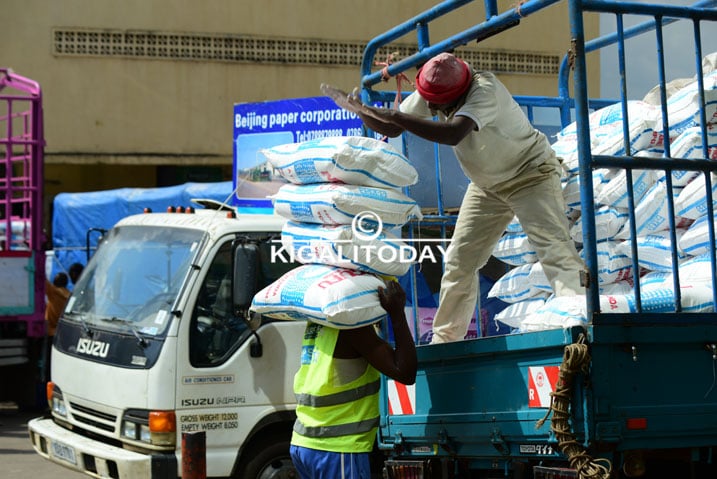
222,388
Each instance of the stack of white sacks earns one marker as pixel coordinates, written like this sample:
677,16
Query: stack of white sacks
343,198
526,287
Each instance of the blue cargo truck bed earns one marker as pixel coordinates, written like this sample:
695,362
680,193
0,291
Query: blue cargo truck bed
628,394
643,387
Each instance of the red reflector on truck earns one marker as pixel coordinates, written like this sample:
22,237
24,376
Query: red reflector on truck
637,423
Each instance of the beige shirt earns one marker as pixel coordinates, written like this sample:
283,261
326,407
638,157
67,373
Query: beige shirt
503,145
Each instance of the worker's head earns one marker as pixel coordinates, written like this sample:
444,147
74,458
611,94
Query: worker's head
443,80
75,271
60,280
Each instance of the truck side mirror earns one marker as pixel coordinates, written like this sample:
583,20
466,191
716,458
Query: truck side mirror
246,275
246,280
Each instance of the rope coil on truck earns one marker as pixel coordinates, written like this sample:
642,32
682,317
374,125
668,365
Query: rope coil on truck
576,359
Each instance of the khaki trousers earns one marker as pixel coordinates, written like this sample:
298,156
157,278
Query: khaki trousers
536,198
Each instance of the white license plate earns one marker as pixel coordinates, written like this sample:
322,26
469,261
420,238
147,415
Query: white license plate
64,452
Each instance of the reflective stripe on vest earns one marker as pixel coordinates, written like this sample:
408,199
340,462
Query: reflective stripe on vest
334,431
339,398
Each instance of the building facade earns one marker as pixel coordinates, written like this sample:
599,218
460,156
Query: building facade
139,93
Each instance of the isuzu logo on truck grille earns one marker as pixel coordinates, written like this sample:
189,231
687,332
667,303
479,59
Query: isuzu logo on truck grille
93,348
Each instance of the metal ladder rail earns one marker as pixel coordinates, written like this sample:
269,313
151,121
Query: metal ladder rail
494,24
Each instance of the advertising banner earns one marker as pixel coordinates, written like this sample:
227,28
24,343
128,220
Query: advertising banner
266,124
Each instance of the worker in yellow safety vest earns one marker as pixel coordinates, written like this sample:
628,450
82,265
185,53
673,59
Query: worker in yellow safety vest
337,388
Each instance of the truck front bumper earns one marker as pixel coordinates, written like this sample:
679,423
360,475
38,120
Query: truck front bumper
94,458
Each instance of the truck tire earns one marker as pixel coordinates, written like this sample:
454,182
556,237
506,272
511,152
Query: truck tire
268,459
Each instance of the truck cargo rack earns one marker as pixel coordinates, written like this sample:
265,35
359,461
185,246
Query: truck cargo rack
575,108
21,188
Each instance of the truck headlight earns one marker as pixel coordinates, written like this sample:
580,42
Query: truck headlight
158,428
129,429
144,434
55,400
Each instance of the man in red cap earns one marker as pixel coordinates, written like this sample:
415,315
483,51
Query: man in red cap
513,172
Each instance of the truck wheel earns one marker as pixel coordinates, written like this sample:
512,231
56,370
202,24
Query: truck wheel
268,459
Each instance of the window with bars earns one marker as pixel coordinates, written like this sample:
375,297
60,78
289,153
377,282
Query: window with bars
69,42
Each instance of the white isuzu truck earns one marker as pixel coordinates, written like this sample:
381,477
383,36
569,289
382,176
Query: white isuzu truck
156,341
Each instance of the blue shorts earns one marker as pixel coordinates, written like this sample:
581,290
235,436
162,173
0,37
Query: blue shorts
315,464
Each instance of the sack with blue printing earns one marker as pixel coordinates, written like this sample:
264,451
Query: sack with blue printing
379,252
652,213
355,160
618,287
337,297
566,148
689,143
514,226
571,187
613,264
335,203
697,269
610,118
538,278
691,202
557,312
606,132
654,250
694,298
515,249
515,286
696,240
515,313
568,311
683,107
655,280
608,222
614,193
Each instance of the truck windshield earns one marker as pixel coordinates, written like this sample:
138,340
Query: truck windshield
132,282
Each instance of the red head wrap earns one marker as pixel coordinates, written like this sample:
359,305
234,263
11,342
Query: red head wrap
443,79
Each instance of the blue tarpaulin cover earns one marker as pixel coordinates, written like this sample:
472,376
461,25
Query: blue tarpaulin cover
75,213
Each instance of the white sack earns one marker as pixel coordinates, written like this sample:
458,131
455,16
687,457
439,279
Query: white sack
608,222
654,250
514,286
691,202
515,313
334,203
515,249
652,214
355,160
336,297
695,241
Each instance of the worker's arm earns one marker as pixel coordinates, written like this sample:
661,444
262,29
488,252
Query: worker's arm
393,122
389,129
399,363
449,132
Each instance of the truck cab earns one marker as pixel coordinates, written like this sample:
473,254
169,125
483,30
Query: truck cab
156,342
